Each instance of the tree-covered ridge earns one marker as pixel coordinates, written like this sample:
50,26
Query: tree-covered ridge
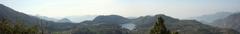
160,28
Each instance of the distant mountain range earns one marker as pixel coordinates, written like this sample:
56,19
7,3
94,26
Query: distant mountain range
222,19
145,23
74,19
113,24
65,20
78,19
46,18
231,21
206,19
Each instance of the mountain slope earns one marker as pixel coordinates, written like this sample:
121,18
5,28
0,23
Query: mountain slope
18,17
112,23
104,24
111,19
15,16
231,21
206,19
181,26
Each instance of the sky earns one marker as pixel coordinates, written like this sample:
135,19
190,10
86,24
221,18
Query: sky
128,8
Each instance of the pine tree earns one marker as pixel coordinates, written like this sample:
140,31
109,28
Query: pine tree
160,28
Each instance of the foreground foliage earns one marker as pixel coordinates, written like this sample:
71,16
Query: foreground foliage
7,28
160,28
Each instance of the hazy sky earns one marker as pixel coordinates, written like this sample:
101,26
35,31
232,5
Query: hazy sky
127,8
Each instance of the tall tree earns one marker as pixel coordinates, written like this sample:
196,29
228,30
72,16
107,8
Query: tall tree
160,28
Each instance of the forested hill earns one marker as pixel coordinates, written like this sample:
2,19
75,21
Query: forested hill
111,24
